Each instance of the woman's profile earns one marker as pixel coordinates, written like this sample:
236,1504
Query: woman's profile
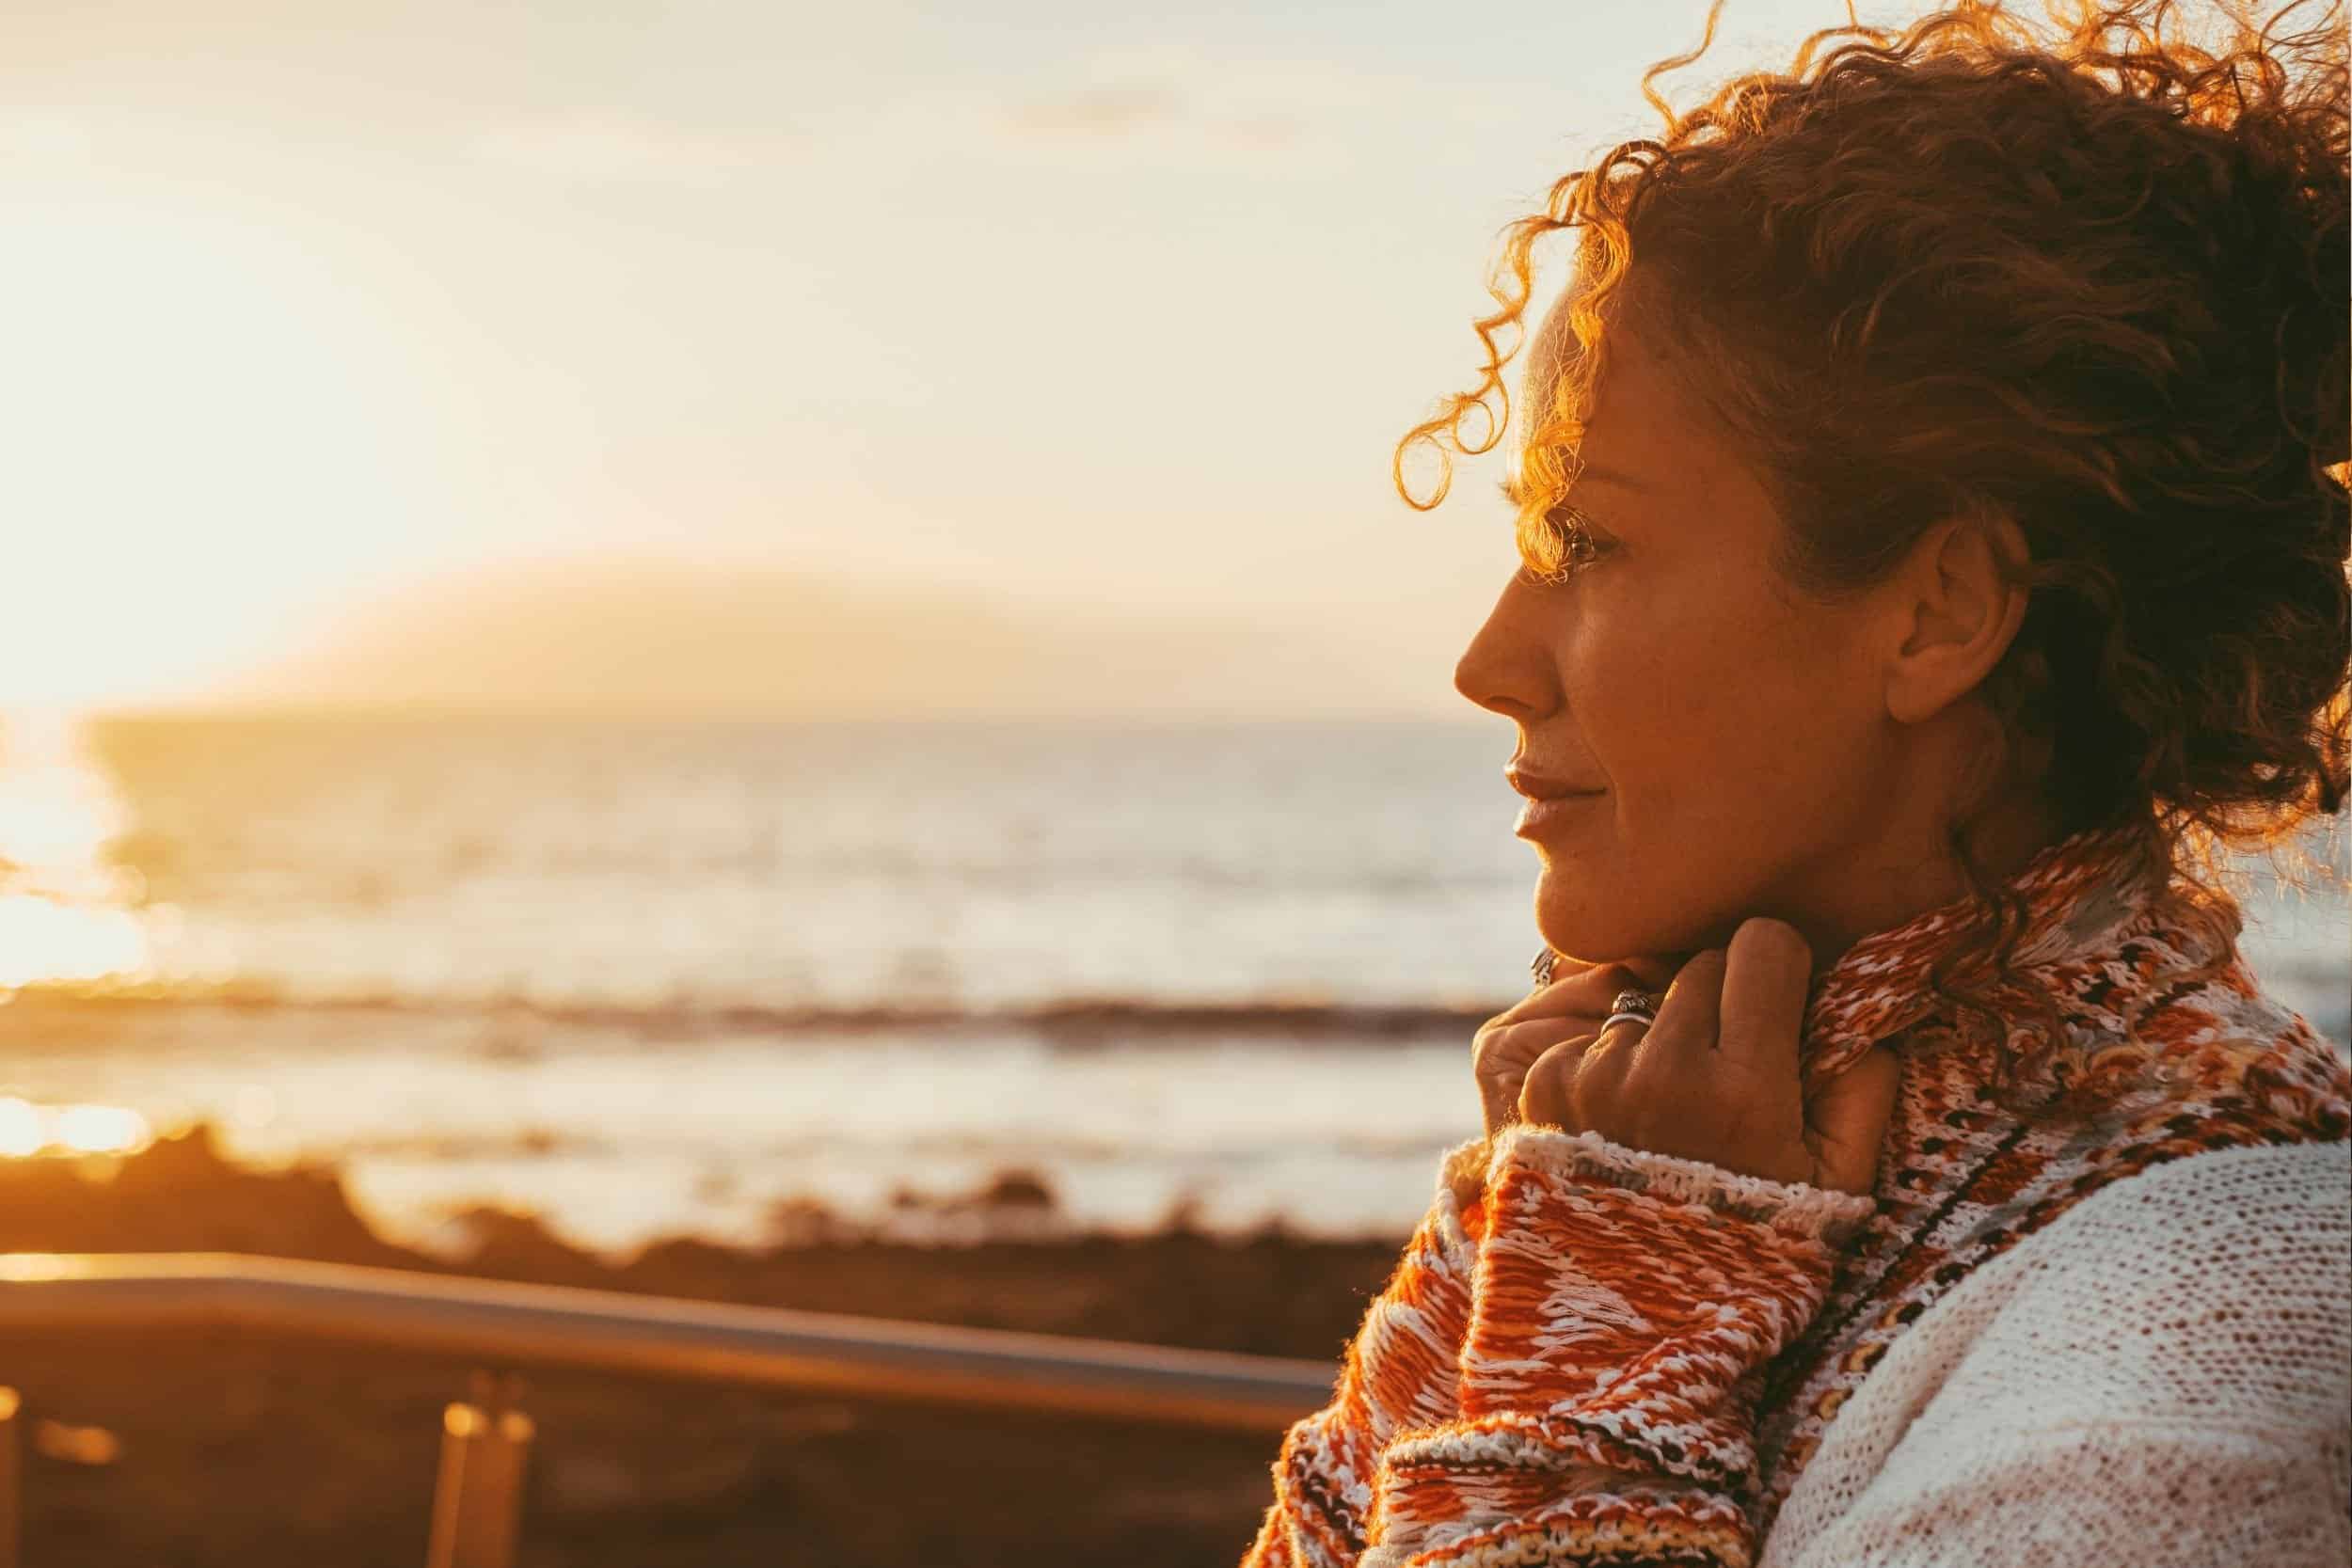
1930,497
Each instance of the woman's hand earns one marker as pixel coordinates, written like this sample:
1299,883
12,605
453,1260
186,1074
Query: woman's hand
1715,1078
1575,1004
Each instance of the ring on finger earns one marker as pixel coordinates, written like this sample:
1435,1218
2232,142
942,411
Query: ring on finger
1634,1004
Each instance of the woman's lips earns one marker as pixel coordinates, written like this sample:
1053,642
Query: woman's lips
1540,817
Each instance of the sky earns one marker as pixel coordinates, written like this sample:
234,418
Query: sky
1100,320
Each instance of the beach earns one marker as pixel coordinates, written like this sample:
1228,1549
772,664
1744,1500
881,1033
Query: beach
226,1449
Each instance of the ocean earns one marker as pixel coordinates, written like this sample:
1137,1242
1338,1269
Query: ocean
650,979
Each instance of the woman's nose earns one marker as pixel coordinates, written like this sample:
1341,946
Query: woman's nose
1504,669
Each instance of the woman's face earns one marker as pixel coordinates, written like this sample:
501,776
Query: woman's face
1732,735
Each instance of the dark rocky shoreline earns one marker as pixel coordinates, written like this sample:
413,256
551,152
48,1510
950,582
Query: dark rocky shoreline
212,1450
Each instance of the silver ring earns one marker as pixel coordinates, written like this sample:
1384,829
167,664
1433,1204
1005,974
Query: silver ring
1541,967
1634,1004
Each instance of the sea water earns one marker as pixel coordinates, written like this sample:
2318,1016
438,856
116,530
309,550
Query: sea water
644,978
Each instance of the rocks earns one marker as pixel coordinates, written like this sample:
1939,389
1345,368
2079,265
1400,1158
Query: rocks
224,1449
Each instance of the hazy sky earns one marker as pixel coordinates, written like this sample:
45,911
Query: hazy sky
308,306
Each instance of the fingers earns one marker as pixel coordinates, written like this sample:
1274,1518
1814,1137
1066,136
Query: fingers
1766,972
1552,1030
1846,1121
1582,988
1672,1062
1548,1096
1499,1057
1569,1082
1690,1014
1503,1055
1586,989
1509,1044
1729,1021
1713,1077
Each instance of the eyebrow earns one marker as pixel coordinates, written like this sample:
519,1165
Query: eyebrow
1596,474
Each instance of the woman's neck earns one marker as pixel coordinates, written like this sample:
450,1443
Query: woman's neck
1918,872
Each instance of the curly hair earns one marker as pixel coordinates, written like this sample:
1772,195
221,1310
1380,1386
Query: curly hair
2087,274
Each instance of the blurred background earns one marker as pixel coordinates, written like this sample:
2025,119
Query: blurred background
743,625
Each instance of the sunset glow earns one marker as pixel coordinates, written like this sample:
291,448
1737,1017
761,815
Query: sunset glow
27,1129
66,914
309,326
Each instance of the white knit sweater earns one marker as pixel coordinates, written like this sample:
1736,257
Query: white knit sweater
2162,1376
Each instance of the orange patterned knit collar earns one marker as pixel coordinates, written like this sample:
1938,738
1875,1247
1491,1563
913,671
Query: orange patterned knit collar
2079,893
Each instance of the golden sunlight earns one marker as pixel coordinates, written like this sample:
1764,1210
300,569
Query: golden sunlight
188,397
24,1128
65,913
27,1129
100,1128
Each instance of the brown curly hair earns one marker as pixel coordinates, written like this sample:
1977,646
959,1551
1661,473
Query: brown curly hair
2088,274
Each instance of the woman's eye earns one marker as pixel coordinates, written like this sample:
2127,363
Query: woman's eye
1582,546
1578,548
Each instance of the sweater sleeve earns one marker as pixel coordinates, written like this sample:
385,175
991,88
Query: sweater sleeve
1622,1307
1401,1370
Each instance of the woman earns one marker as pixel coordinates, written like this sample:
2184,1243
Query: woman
1934,536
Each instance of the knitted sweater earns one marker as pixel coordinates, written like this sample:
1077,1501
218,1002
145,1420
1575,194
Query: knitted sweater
2102,1314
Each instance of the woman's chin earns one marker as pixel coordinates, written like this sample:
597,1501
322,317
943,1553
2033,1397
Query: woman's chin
1586,940
1577,923
1590,933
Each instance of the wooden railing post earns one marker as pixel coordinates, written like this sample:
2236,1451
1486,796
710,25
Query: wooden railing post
477,1496
11,1478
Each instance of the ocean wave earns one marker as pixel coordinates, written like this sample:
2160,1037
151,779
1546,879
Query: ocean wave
2307,982
1072,1023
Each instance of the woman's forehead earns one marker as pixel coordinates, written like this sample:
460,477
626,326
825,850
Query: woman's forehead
1553,354
1550,353
1641,432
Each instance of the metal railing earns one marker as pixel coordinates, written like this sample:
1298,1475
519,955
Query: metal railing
499,1326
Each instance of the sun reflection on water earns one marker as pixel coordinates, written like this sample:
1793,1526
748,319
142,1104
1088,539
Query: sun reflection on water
66,913
27,1129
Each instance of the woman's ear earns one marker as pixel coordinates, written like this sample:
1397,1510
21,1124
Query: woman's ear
1957,613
